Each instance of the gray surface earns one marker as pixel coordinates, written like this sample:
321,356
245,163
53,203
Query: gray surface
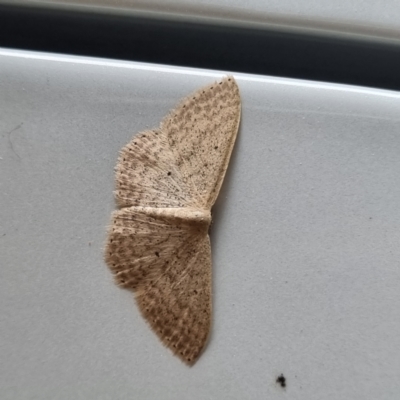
305,240
380,18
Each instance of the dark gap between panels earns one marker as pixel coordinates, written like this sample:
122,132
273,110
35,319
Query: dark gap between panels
201,45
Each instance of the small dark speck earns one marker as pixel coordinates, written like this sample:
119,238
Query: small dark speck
216,147
370,217
281,380
157,254
169,173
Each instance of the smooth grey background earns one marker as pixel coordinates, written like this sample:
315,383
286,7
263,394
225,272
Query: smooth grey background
305,239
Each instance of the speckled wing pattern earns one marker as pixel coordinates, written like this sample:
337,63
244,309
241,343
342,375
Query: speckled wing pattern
167,180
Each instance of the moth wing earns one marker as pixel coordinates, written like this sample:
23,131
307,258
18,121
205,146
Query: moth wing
177,304
201,133
141,245
168,266
147,174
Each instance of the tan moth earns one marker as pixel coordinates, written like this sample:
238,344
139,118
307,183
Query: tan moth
167,180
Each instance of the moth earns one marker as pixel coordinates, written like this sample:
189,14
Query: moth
167,180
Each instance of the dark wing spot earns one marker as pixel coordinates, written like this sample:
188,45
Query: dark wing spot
169,173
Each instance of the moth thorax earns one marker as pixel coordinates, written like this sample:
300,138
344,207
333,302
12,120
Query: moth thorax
189,215
202,217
